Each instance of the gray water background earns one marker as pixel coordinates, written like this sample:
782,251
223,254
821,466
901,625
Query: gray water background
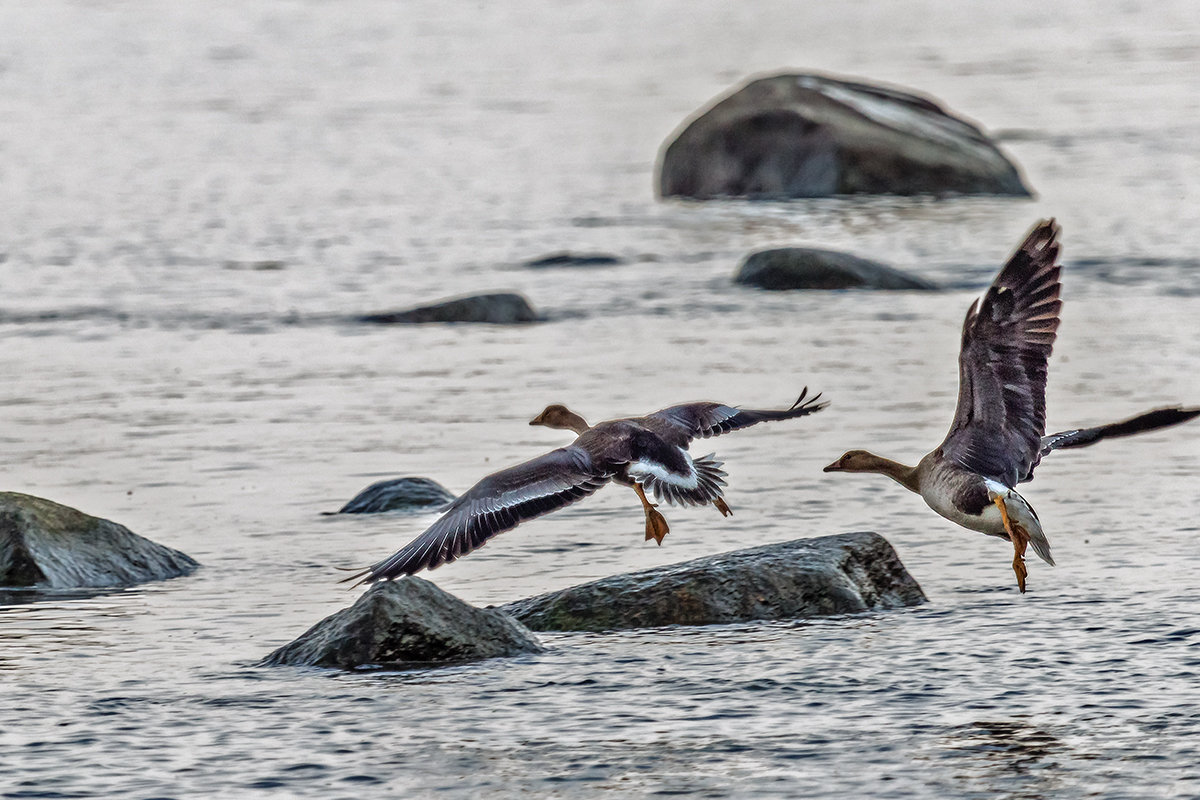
195,197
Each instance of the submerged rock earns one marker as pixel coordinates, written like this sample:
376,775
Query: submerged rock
497,309
406,622
838,574
47,545
575,260
804,135
810,268
399,494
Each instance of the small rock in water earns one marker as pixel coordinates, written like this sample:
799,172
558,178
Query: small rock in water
811,268
398,494
497,309
47,545
839,574
268,265
406,622
567,259
807,135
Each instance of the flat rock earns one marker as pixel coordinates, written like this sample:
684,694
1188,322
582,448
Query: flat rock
807,135
840,574
811,268
406,622
45,545
497,309
567,259
399,494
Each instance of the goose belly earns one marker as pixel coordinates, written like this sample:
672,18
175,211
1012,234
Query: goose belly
958,505
969,500
971,504
988,520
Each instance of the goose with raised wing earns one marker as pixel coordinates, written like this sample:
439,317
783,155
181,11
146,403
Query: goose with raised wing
645,453
999,435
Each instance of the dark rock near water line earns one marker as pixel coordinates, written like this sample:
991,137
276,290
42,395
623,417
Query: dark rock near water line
567,259
46,545
399,494
407,622
497,309
807,135
264,265
811,268
840,574
411,622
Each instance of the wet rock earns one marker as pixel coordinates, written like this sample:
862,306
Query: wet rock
838,574
575,260
45,545
404,623
497,309
810,268
399,494
268,265
804,135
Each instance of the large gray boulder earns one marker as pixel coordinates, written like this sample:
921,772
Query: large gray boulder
399,494
838,574
811,268
498,309
45,545
404,623
806,135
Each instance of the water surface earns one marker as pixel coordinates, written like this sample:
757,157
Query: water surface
197,198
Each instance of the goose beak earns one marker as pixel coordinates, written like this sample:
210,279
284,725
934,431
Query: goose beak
835,467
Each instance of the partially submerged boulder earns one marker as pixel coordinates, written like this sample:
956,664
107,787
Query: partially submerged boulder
568,259
498,309
806,135
812,268
47,545
399,494
406,622
839,574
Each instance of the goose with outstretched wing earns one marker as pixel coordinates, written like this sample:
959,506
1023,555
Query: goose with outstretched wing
998,434
645,453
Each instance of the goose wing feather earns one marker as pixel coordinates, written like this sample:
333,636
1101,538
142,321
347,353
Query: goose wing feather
1143,423
681,424
1006,343
498,503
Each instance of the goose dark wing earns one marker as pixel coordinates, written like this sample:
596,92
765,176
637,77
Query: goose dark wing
498,503
682,424
1006,342
1142,423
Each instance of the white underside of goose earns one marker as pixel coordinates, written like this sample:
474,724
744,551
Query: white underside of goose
644,471
991,521
700,486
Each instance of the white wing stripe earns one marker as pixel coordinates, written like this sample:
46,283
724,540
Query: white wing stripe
654,470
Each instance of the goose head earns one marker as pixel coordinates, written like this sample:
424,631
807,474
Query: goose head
856,461
559,416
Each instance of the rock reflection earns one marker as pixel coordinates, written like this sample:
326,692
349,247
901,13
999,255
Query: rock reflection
999,751
26,596
34,622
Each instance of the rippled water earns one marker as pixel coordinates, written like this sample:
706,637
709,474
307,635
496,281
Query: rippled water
196,198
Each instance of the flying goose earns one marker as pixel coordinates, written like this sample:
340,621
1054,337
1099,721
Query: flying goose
998,434
647,452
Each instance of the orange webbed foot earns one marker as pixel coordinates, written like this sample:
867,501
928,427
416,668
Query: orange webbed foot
656,526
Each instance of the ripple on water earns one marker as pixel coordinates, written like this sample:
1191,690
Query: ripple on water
177,334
